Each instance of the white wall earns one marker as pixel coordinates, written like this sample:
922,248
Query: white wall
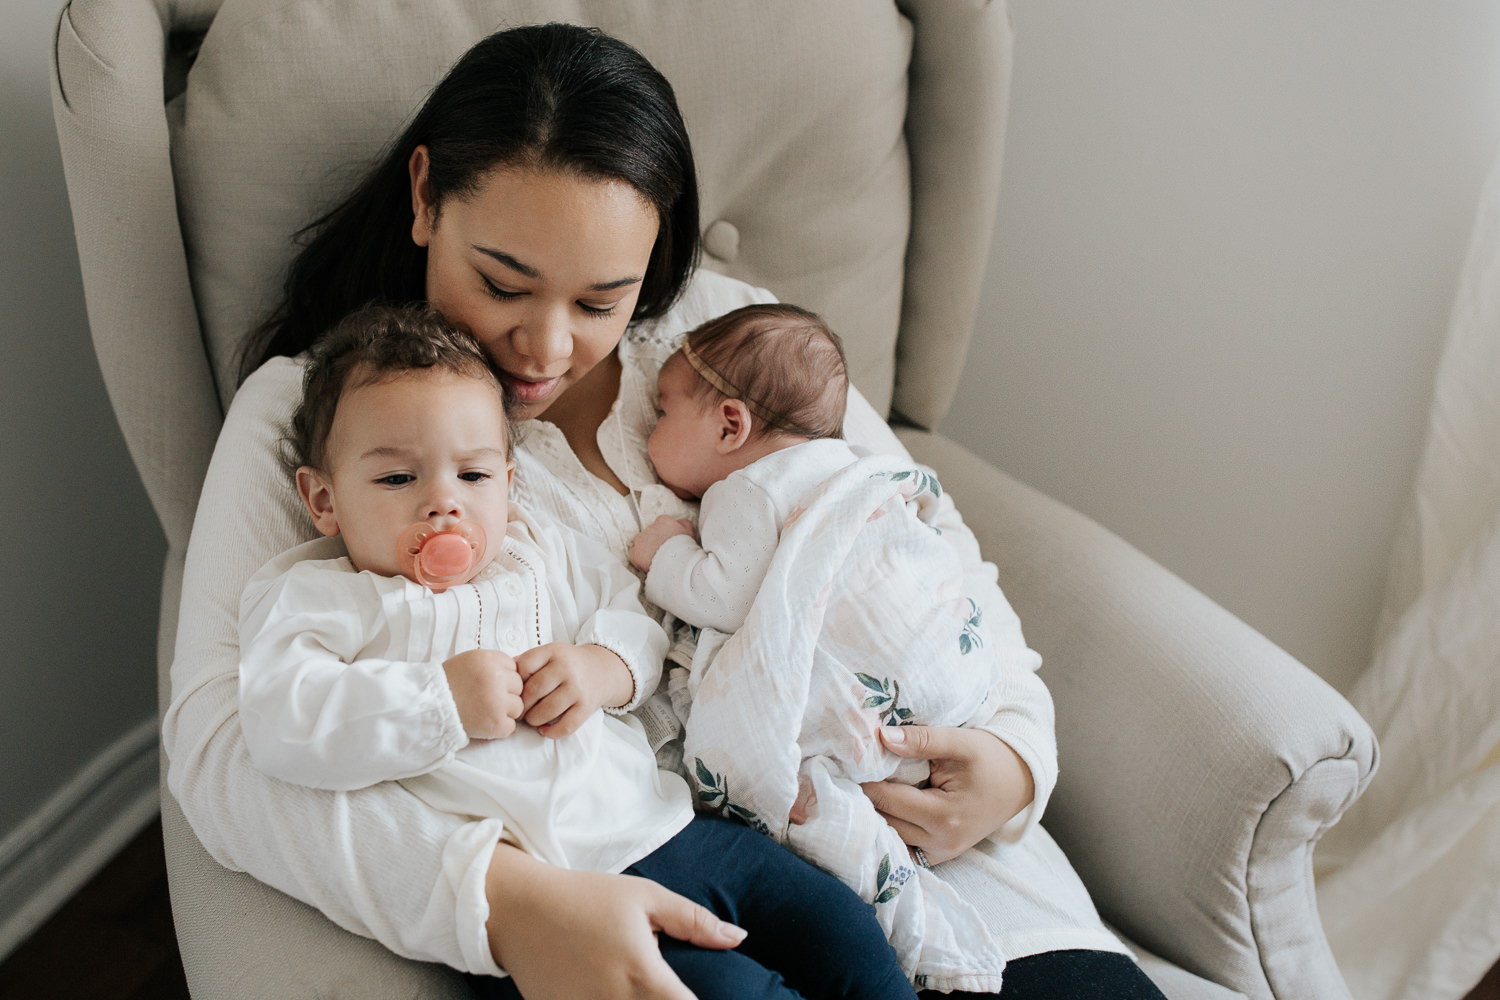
1228,239
83,551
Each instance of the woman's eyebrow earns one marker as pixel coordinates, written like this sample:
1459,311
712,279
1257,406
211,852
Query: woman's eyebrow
526,269
508,261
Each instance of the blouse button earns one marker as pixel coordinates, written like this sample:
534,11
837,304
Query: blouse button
513,638
513,588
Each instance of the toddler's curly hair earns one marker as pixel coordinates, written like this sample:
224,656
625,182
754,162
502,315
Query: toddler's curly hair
374,344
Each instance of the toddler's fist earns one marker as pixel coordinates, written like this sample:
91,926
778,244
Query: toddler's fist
487,690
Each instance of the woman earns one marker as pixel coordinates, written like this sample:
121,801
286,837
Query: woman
544,198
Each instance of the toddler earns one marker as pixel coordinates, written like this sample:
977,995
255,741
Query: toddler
848,612
442,637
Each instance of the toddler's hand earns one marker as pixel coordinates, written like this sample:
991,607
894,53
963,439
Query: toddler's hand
643,546
565,684
487,690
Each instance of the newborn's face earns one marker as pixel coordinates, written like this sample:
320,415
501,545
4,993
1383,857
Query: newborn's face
682,445
417,448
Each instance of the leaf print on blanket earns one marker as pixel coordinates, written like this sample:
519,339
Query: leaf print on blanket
713,793
886,696
968,639
889,880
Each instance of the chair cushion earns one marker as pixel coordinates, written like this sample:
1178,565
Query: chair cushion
257,154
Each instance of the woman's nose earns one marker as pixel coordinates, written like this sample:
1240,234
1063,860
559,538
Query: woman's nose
545,336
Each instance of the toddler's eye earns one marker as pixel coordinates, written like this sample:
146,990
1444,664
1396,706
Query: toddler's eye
473,477
396,479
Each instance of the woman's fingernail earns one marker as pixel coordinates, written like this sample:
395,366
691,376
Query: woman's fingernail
893,734
734,935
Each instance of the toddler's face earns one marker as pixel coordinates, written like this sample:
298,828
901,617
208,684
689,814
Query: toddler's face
682,447
418,447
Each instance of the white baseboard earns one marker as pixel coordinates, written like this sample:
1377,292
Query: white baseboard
45,860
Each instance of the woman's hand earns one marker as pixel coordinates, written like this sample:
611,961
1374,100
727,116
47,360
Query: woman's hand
564,934
978,783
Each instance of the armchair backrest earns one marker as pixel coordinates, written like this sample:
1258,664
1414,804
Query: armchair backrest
848,155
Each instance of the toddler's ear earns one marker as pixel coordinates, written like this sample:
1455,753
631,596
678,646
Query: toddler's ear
317,495
734,425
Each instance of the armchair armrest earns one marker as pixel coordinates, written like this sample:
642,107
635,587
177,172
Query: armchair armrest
1199,762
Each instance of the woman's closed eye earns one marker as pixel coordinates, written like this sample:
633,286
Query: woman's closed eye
506,295
495,291
600,312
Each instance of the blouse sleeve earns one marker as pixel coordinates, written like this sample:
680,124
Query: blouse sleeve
1024,720
313,710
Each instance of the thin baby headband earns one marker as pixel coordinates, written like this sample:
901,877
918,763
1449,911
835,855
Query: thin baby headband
719,382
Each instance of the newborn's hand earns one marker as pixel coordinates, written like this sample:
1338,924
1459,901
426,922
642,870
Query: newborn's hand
643,546
565,684
487,690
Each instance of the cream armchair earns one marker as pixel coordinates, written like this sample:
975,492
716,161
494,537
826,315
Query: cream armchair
849,154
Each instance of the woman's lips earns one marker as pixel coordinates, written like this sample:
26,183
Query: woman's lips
528,391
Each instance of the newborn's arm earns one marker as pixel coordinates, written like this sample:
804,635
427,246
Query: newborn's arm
712,583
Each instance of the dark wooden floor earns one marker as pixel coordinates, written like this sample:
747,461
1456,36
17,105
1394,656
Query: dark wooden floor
114,939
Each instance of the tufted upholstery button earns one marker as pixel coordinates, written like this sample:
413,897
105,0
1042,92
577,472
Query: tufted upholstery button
722,240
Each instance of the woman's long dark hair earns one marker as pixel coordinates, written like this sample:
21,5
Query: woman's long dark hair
551,97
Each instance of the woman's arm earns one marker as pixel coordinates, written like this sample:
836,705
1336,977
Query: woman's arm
567,934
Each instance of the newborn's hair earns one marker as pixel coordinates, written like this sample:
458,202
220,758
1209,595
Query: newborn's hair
375,344
782,359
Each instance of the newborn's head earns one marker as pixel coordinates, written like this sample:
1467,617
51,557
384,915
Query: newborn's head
776,368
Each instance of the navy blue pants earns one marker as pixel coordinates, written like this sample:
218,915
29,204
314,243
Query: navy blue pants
1067,975
809,937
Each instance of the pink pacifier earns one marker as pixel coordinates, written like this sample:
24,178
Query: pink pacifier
439,559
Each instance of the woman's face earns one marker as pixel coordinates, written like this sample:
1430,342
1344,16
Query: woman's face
542,267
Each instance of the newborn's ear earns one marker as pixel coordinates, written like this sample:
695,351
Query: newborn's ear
734,425
317,495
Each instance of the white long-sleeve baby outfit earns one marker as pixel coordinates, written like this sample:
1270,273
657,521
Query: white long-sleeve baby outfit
342,686
711,582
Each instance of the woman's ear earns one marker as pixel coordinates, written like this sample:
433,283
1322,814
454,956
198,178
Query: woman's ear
734,425
317,495
423,217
